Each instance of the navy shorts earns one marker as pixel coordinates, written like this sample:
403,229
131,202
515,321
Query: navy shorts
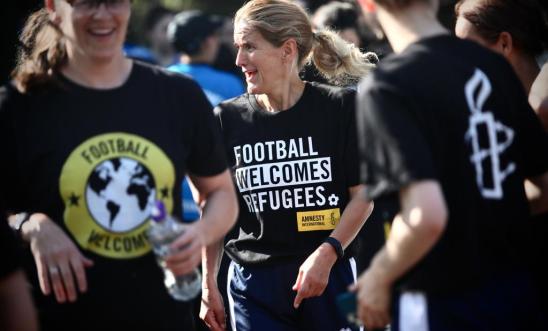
507,303
261,298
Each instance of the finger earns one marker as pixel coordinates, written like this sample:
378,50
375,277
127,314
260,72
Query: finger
77,265
43,276
214,324
183,255
182,242
57,284
221,318
384,319
87,262
297,284
186,267
300,296
353,287
68,281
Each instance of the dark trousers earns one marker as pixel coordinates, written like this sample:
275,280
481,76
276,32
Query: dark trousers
261,298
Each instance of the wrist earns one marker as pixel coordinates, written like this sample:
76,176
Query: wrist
16,222
336,246
33,226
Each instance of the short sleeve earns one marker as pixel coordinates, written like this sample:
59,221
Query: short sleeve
393,150
207,157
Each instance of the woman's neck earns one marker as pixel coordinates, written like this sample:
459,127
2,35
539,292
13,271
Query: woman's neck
284,97
98,74
406,26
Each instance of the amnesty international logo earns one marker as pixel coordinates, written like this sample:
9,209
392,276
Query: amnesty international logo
489,139
108,184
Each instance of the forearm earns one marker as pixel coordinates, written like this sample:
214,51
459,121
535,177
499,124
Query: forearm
17,312
414,231
354,216
403,249
219,215
537,193
211,259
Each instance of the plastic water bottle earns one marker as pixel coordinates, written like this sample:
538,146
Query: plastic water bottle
161,233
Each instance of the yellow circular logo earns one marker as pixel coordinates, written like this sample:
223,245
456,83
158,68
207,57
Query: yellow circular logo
109,184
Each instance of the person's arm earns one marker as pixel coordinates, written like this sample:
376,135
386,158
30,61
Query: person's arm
212,310
537,193
219,215
414,232
60,265
17,310
314,272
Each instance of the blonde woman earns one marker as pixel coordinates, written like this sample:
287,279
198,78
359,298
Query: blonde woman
292,149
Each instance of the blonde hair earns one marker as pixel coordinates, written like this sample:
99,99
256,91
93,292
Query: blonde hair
279,20
42,52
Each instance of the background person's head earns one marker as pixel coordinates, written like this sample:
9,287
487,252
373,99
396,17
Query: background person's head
287,29
507,27
394,5
341,17
75,32
156,22
196,35
93,30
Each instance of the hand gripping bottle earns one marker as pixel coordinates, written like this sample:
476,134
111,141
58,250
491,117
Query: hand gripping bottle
164,229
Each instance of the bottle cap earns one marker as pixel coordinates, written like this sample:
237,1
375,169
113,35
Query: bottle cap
158,212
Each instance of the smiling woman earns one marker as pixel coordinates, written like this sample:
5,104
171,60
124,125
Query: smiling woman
87,160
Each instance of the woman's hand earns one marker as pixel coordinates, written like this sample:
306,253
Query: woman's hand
58,260
212,309
314,273
186,250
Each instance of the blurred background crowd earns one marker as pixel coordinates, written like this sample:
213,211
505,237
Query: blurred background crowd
147,35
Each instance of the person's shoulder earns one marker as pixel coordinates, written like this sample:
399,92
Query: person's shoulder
152,71
331,92
235,106
154,74
9,95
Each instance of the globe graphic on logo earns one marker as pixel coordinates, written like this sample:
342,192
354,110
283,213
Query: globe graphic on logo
120,193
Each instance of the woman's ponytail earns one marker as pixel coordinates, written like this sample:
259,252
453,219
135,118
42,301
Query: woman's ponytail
338,61
41,54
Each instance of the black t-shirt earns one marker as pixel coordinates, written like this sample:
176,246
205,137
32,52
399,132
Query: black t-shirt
292,170
94,160
449,110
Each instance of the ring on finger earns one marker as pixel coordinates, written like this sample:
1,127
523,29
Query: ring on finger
53,270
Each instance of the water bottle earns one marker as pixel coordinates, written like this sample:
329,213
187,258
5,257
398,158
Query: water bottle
164,229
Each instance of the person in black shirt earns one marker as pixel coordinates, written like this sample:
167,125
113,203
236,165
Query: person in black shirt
517,30
292,149
445,124
91,139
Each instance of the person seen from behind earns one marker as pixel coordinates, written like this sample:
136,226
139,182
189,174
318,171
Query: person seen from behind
445,124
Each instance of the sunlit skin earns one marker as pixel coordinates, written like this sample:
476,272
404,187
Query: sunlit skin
96,35
259,60
94,39
466,30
